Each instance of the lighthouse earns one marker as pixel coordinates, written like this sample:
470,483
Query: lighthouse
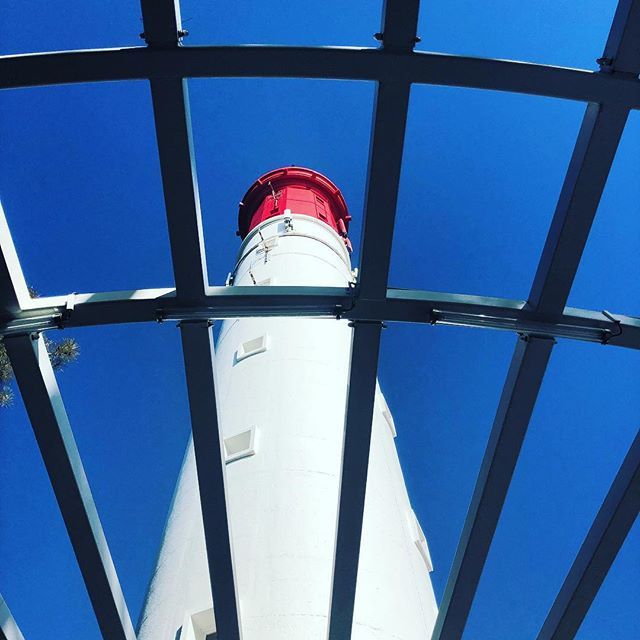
282,386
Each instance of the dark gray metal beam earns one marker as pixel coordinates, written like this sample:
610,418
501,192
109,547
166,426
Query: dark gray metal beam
14,294
399,23
383,182
516,405
598,551
41,396
586,177
161,20
9,629
400,305
252,61
355,463
199,362
589,167
621,52
180,184
162,30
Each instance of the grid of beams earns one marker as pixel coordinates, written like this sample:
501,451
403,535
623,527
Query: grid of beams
610,94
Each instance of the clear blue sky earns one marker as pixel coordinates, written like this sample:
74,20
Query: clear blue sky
80,183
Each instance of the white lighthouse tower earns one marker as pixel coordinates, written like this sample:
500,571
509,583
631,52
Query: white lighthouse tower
282,386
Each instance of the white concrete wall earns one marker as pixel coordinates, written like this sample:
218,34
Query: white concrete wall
283,498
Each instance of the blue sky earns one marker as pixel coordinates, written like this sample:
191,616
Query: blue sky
80,183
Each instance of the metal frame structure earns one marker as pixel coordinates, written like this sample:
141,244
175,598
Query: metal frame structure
610,94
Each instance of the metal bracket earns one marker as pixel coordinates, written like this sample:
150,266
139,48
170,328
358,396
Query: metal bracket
69,306
355,323
605,64
608,335
208,321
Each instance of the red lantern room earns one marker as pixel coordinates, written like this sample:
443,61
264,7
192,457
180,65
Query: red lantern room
301,191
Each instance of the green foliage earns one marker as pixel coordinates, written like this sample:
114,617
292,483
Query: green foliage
60,352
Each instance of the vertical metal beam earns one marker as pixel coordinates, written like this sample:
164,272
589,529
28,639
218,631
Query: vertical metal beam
8,627
581,192
621,53
199,361
355,463
170,99
39,389
598,551
162,29
383,180
588,171
398,32
400,24
507,435
13,288
161,20
182,202
589,167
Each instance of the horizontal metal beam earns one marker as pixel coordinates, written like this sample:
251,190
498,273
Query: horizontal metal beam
9,629
199,362
400,305
41,396
598,551
365,348
340,63
517,401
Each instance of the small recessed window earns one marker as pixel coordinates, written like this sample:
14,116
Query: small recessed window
240,445
251,347
420,540
198,626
